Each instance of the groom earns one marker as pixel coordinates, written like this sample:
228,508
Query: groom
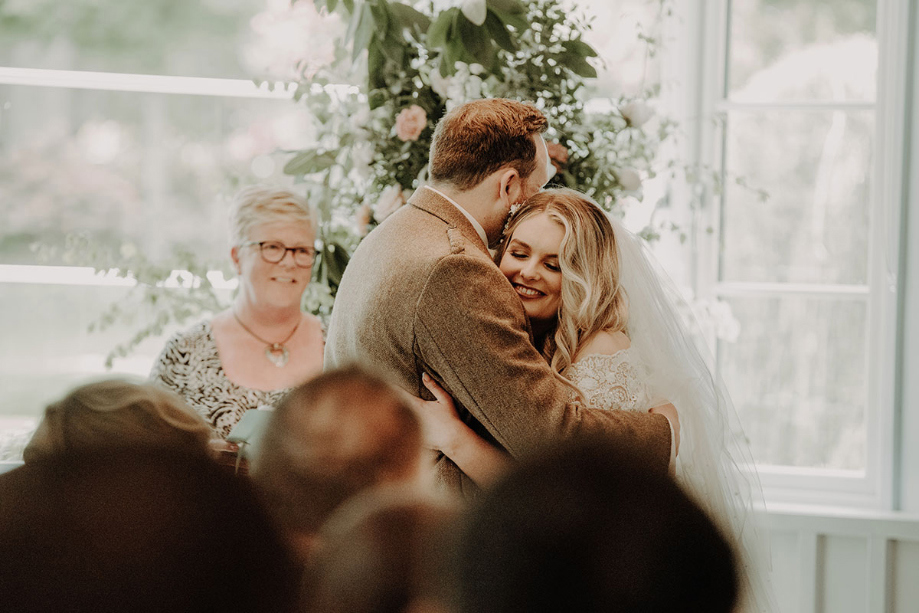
422,294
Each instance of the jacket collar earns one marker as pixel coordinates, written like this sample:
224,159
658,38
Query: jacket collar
435,204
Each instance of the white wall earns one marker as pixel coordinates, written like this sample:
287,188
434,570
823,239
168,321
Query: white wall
836,562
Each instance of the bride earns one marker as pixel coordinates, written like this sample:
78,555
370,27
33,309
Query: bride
608,321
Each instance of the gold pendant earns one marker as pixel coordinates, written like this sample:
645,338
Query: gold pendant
277,354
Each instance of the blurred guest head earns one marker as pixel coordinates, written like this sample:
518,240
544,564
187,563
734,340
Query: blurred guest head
138,531
381,552
586,528
116,413
330,438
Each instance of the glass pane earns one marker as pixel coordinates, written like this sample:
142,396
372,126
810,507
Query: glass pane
816,169
47,350
797,375
151,169
207,38
802,50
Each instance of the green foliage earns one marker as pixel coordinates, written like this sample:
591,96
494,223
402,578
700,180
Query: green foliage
401,56
405,56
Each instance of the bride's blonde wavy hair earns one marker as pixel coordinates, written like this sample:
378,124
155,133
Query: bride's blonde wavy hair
591,297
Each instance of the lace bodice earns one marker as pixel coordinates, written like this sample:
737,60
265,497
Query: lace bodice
611,381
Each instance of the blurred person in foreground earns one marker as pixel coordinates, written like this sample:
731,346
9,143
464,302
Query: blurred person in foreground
141,531
117,414
422,294
332,437
250,355
383,551
591,528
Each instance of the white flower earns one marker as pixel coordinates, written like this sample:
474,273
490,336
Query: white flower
637,113
390,200
629,179
462,87
360,120
475,10
361,158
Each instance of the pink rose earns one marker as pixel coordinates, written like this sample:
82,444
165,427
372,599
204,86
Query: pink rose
411,122
362,218
558,155
390,200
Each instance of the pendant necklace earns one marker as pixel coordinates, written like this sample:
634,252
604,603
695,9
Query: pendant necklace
276,353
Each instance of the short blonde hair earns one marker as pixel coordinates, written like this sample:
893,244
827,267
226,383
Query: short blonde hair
114,413
260,204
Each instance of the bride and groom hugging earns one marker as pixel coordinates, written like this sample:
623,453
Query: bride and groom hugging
537,342
423,295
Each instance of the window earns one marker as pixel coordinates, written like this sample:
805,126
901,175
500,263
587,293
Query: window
130,125
804,115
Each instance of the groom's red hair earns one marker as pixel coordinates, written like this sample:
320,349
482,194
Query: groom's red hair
480,137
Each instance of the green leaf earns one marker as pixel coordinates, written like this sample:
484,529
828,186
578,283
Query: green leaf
579,66
381,16
408,18
309,162
499,32
475,41
348,4
440,30
517,20
579,47
511,7
376,62
377,98
363,31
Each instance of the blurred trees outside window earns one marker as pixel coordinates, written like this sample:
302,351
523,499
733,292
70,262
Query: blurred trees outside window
798,121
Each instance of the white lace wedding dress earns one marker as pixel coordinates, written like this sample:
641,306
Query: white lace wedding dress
611,381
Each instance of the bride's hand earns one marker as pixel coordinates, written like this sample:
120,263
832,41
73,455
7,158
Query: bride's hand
440,422
669,411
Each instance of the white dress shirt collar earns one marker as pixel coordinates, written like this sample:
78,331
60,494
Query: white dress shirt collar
475,224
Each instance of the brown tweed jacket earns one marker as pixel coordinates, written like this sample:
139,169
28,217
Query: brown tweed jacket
422,294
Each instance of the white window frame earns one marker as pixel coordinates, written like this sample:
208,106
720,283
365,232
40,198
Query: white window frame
878,487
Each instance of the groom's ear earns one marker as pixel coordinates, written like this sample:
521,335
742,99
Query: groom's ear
511,186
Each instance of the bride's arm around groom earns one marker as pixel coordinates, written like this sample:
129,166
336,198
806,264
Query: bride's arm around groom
422,294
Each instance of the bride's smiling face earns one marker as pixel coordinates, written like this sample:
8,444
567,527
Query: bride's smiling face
530,263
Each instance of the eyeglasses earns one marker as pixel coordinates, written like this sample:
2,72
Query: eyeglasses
273,252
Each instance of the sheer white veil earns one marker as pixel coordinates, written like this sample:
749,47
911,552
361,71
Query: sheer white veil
714,463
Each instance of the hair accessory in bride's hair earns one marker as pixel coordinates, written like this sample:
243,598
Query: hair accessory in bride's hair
513,211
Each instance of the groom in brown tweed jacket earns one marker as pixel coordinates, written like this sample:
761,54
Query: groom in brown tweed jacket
422,294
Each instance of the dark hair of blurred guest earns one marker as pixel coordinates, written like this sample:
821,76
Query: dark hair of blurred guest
330,438
117,413
384,551
585,528
138,531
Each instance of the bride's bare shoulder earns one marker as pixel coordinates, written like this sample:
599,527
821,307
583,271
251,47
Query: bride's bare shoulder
605,342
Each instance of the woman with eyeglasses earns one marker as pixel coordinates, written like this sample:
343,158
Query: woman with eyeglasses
250,355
